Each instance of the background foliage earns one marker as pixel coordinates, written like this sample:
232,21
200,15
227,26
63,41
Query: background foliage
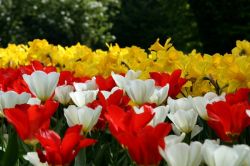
209,26
63,22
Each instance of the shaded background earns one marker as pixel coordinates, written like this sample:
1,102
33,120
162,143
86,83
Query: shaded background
208,26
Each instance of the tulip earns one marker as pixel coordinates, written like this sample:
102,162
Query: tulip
220,155
28,120
160,113
199,103
88,85
121,81
42,85
181,154
85,116
185,120
82,98
241,95
140,91
174,80
131,131
179,104
174,139
62,94
159,95
228,121
10,99
105,83
59,151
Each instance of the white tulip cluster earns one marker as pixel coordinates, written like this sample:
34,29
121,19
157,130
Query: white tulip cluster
210,153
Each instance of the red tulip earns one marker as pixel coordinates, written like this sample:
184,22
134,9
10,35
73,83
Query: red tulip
59,151
68,78
228,121
131,130
174,80
241,95
11,79
36,65
105,83
28,120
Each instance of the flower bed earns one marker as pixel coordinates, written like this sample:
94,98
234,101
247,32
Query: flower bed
125,106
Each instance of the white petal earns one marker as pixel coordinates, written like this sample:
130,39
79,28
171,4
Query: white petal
177,154
34,101
53,79
179,104
242,151
89,117
119,80
248,112
71,115
138,110
161,113
225,156
88,85
208,150
81,98
131,74
199,105
33,158
174,139
195,155
196,130
62,93
184,120
159,95
140,91
23,98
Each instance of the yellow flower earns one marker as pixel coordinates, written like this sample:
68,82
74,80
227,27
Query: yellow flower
242,48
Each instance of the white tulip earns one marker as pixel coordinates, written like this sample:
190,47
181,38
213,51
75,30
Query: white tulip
10,99
121,81
33,158
42,85
140,91
131,74
182,154
185,120
160,112
62,93
179,104
160,94
85,116
213,97
81,98
220,155
88,85
199,103
174,139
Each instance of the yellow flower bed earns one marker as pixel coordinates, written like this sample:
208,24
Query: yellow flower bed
229,71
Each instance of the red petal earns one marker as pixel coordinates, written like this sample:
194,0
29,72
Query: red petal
18,118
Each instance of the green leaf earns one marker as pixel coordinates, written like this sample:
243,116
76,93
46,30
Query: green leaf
11,154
